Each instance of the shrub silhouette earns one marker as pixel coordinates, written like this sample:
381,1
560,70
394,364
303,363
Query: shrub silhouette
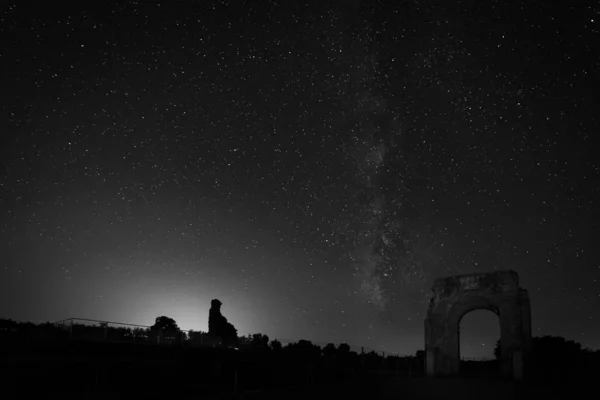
276,345
556,357
548,347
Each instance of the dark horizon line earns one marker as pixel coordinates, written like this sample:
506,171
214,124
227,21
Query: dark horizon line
281,340
287,341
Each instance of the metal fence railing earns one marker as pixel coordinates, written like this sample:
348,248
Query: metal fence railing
90,329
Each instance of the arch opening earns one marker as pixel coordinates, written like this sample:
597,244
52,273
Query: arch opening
478,333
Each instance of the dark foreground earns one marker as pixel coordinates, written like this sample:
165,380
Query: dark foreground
70,370
37,384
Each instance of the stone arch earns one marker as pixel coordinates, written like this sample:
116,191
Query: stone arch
456,296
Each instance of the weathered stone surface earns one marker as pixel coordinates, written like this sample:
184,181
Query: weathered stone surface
456,296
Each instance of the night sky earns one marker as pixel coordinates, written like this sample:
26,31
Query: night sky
313,166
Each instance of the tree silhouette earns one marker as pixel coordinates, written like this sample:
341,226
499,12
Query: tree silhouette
304,350
276,345
260,341
343,348
165,324
329,350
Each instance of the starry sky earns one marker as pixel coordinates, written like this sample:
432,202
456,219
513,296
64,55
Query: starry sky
313,165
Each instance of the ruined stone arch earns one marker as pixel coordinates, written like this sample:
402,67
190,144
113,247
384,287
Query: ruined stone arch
456,296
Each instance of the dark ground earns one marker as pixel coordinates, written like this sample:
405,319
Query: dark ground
39,383
419,388
100,371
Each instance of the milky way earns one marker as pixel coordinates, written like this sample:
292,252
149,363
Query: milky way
383,253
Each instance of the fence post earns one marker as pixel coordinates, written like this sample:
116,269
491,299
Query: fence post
71,330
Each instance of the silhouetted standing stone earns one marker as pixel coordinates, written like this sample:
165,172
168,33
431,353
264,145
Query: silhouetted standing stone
454,297
219,326
214,317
